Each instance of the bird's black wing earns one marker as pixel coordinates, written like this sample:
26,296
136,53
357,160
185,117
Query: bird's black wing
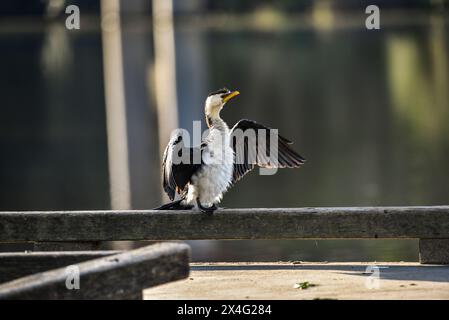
176,176
249,151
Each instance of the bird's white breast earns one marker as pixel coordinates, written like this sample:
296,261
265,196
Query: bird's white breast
215,175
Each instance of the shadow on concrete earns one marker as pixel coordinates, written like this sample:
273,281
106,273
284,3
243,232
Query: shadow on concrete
434,273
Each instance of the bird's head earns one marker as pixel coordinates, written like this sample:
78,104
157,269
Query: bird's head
216,100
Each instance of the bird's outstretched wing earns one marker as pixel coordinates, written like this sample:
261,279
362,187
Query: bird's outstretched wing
176,174
252,146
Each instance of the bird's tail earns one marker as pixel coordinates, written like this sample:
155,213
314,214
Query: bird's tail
175,205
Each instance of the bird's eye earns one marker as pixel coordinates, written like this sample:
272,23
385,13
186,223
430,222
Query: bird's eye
178,140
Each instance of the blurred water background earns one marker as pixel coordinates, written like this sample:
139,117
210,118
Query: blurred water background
368,109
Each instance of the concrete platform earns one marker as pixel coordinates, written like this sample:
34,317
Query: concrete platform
327,281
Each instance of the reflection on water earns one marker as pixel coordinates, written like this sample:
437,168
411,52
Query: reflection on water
306,250
52,122
368,110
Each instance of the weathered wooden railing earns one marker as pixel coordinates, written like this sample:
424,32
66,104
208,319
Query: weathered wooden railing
109,276
84,229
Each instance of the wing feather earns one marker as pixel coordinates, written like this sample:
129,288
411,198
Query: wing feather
177,176
283,156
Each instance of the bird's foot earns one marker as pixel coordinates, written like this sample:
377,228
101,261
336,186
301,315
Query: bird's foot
209,210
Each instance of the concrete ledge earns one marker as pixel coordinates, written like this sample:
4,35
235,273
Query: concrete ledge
352,280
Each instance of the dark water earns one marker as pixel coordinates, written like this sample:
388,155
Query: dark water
368,110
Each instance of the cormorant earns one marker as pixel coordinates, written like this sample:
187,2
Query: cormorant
201,175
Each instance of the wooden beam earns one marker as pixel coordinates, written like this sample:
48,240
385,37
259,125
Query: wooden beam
114,93
295,223
121,276
66,246
434,251
19,264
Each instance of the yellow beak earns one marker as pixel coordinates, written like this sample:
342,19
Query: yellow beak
231,95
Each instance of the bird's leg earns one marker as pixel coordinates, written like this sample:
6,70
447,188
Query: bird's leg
209,210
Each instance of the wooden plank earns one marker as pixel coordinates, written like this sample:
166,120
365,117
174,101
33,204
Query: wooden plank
19,264
295,223
434,251
121,276
66,246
